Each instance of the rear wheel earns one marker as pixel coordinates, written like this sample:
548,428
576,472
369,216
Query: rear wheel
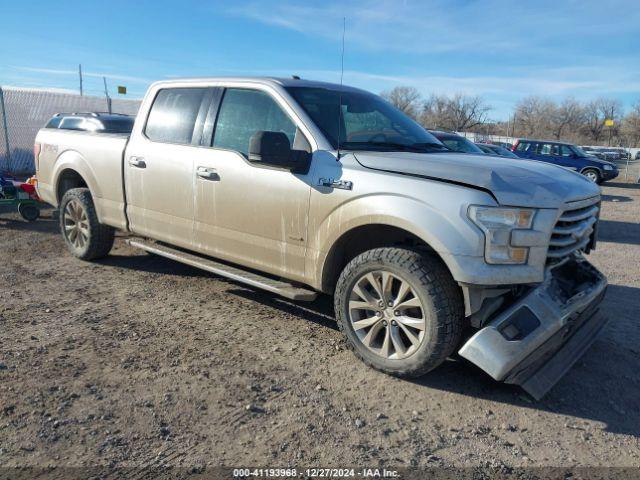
85,236
592,175
400,310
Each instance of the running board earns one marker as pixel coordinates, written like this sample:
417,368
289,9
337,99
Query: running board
253,279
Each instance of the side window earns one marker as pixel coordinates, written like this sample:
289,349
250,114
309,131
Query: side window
72,124
173,115
53,123
244,112
566,151
548,149
522,147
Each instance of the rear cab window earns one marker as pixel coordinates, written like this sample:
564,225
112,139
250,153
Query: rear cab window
53,123
72,124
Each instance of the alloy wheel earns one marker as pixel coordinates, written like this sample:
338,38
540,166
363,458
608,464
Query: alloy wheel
593,176
387,315
76,224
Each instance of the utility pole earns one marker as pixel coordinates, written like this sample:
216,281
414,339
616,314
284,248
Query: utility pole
106,94
6,130
80,74
513,124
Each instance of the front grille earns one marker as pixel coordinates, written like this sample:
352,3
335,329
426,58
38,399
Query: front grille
575,229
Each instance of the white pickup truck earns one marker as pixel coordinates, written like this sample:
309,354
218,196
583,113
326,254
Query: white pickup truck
301,187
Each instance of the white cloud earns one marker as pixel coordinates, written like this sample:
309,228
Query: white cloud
111,76
437,26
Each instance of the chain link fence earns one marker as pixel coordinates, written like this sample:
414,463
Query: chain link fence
24,111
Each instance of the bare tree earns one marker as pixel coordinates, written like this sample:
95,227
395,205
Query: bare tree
630,128
406,99
435,112
467,112
459,112
596,112
533,117
566,118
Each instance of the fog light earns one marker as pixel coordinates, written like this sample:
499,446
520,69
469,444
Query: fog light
520,324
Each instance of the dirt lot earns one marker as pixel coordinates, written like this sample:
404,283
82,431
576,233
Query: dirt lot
138,360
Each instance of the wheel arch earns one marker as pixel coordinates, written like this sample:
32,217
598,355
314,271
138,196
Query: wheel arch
591,167
365,237
73,171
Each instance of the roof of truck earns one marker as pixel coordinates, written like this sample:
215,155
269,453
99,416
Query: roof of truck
281,81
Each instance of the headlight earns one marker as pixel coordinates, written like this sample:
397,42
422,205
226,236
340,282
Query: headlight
608,167
497,224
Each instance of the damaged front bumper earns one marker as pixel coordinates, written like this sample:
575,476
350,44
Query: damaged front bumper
537,339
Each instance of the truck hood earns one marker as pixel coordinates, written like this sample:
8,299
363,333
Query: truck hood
513,182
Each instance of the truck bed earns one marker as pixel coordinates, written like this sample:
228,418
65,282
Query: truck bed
97,157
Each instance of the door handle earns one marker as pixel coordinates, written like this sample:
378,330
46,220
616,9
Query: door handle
137,162
208,173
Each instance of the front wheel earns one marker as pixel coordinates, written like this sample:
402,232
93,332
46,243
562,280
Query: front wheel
401,310
592,175
85,237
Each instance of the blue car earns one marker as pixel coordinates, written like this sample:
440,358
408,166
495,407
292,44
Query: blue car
568,156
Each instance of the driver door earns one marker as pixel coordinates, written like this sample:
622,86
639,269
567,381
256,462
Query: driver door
248,214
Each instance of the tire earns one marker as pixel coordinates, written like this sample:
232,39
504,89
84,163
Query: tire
593,175
29,212
92,240
430,285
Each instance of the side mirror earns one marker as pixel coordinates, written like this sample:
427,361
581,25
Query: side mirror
272,148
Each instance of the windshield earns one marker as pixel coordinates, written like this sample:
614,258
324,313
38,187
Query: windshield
364,121
578,151
460,144
503,151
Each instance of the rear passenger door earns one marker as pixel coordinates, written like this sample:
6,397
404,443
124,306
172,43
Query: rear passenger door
553,153
545,152
159,166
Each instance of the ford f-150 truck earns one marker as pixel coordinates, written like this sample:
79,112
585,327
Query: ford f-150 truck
301,187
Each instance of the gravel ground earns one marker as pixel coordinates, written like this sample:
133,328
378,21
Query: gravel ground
137,361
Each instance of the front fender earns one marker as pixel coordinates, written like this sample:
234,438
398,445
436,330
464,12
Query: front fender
444,227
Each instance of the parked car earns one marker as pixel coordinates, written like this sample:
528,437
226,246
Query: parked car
92,122
505,145
623,154
455,142
492,149
593,151
568,156
262,180
638,155
607,154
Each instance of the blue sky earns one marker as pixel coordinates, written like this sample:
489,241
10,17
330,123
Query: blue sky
501,50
